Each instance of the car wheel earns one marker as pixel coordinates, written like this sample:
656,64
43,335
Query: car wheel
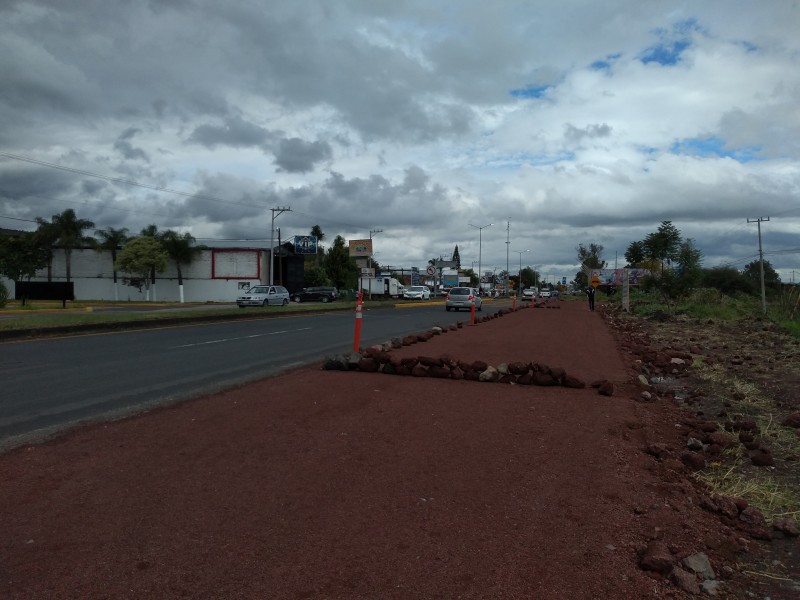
296,299
285,302
241,306
326,299
447,308
480,307
265,303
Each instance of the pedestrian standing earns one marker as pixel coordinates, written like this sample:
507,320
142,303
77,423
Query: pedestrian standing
590,293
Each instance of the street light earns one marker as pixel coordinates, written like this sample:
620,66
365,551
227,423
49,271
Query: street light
480,246
519,275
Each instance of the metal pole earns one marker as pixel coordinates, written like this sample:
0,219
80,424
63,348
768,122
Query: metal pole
761,262
279,210
480,249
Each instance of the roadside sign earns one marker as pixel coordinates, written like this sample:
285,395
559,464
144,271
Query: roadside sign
431,270
595,281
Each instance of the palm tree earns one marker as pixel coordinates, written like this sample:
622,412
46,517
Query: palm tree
69,229
46,237
181,249
316,231
112,240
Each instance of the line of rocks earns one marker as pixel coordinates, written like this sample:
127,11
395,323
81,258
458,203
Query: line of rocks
378,359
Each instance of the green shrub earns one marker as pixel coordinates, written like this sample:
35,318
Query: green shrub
3,295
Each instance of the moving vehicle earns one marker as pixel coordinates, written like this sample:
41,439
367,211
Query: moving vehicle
417,292
311,294
545,293
381,286
463,297
529,293
264,295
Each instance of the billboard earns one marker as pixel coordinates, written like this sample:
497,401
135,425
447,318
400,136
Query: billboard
305,244
615,276
360,248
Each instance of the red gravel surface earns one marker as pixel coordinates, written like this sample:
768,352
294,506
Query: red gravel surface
323,484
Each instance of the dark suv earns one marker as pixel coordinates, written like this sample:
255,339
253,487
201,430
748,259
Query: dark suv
322,294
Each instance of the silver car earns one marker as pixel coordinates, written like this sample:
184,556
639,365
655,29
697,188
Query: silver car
264,295
463,297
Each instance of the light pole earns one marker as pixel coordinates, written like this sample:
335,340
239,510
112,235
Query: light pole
480,247
280,210
520,252
371,263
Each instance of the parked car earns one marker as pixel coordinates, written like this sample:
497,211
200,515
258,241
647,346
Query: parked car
529,293
264,295
417,292
463,297
311,294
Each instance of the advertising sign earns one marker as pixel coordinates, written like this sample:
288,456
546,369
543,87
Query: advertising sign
305,244
360,248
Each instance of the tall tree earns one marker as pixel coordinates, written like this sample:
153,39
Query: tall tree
340,267
181,249
663,245
46,237
590,259
112,240
151,231
141,257
681,277
456,258
752,273
635,254
316,231
69,230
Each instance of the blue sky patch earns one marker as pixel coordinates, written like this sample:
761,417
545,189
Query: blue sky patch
715,146
671,44
605,64
530,91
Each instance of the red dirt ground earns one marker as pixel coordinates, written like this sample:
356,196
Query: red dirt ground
323,484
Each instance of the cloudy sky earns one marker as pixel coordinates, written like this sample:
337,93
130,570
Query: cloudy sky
559,122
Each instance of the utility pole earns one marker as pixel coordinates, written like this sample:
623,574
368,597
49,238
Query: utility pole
508,241
279,210
761,261
372,255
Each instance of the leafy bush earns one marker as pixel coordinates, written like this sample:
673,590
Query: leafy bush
3,295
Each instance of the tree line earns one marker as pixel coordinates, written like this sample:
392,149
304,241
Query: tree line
675,267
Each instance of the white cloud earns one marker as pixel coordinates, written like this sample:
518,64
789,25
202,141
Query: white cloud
576,122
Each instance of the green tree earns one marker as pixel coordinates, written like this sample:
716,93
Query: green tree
21,256
181,249
142,256
728,280
752,273
339,266
46,237
590,258
112,240
678,280
69,229
314,277
635,254
316,231
151,231
663,245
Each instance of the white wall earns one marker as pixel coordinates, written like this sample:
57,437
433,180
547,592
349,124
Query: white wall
92,273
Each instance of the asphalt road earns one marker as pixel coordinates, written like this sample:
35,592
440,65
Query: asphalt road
51,384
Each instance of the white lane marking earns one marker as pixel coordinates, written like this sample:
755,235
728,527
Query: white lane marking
244,337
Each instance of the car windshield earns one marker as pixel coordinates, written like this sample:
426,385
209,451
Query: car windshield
460,292
257,290
416,289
